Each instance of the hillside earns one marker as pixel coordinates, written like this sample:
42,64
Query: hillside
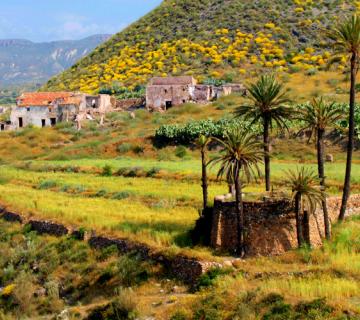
228,39
23,61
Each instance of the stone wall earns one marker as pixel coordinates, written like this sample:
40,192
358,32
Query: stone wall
270,226
125,104
183,268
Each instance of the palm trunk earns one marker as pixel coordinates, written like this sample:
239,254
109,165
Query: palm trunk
267,151
204,179
350,147
240,212
321,171
299,229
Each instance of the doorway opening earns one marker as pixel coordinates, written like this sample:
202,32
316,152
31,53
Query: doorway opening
168,104
43,123
21,123
53,121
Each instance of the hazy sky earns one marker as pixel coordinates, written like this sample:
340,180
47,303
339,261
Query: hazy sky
47,20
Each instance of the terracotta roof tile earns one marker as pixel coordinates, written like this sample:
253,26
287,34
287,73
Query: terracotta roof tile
41,98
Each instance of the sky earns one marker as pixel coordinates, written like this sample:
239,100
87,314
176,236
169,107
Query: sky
51,20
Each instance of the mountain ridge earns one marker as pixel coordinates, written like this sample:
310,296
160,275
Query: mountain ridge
23,61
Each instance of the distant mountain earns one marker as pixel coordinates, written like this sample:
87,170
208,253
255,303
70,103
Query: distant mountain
23,61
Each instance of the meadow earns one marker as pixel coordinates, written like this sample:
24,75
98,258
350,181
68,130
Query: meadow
319,284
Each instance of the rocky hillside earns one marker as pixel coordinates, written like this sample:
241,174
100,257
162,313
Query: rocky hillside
23,61
227,39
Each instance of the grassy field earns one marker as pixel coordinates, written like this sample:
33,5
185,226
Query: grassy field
319,284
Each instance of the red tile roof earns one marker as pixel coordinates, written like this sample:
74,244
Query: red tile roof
41,98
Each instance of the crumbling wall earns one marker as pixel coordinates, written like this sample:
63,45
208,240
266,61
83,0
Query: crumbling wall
270,226
126,104
183,268
157,96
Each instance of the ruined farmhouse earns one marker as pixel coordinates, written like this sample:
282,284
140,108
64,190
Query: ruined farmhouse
164,93
42,109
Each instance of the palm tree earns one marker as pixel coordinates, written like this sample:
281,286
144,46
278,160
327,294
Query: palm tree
305,194
346,41
268,106
241,155
317,116
202,142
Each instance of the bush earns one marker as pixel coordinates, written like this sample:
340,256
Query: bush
123,307
131,270
121,195
107,171
138,149
180,152
124,148
208,279
47,184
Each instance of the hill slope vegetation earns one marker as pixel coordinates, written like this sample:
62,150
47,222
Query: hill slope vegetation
228,39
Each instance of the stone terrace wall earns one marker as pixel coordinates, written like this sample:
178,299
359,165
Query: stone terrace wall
271,226
183,268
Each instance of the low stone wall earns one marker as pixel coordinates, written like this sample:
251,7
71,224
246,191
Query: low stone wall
130,103
183,268
270,226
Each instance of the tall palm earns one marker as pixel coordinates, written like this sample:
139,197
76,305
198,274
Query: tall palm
268,106
317,116
240,155
202,143
346,41
306,195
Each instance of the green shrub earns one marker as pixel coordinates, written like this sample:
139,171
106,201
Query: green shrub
152,172
47,184
122,195
124,148
208,279
180,152
138,149
107,171
131,270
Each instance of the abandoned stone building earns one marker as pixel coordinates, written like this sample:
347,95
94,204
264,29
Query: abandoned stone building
163,93
42,109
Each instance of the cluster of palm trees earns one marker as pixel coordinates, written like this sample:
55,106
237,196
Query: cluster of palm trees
269,105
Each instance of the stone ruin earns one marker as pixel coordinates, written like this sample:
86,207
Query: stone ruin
164,93
270,225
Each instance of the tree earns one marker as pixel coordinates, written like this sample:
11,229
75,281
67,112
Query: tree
240,155
202,142
268,106
317,116
346,42
305,194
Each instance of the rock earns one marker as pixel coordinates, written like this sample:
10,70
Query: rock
64,315
175,289
41,292
228,263
132,115
329,158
